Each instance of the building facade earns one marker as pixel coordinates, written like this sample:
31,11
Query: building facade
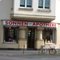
29,24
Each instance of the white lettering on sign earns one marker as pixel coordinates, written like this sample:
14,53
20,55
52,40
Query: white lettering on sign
25,23
16,23
44,24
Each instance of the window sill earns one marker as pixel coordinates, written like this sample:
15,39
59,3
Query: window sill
27,8
44,10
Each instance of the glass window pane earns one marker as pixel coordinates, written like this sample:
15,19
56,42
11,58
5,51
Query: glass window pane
11,34
29,3
47,4
22,3
40,4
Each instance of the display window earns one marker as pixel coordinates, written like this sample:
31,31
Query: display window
11,34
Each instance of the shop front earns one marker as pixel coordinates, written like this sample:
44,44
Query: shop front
28,35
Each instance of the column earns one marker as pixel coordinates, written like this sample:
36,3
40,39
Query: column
39,39
58,37
22,38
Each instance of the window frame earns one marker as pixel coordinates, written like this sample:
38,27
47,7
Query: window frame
22,4
39,6
26,5
47,5
44,4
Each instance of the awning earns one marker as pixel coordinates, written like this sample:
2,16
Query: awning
25,23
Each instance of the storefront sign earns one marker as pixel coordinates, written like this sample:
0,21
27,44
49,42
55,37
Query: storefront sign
25,23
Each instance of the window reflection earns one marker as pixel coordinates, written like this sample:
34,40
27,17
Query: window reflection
11,34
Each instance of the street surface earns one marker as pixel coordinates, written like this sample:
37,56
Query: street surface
27,55
30,58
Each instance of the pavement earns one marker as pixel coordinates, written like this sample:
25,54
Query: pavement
30,57
27,55
18,53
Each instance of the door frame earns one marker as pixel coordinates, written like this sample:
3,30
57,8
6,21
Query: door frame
32,46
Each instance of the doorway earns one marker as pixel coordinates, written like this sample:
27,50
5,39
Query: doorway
31,38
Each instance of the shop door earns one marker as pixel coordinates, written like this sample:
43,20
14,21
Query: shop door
31,38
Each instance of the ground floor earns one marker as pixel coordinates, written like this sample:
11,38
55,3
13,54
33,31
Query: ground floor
27,35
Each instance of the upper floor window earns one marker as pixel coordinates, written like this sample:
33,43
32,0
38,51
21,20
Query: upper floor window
44,4
22,3
40,4
25,3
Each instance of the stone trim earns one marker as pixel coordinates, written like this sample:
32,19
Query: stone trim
22,28
22,39
32,16
44,10
39,28
25,9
